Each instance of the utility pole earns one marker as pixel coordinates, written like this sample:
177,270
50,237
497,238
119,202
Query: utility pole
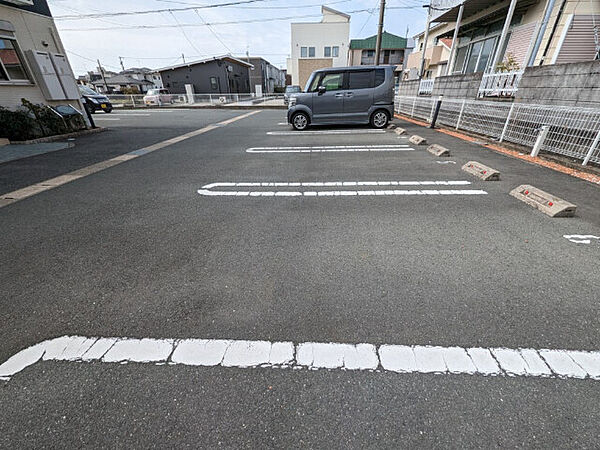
103,77
425,38
379,32
121,61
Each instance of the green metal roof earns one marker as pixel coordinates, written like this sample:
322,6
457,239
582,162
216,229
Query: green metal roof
389,41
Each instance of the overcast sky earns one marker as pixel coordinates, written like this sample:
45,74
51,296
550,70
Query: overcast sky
163,46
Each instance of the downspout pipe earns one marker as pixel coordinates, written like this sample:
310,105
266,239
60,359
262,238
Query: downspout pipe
541,31
554,27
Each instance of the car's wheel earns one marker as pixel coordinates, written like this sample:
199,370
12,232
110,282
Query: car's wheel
379,119
108,110
300,121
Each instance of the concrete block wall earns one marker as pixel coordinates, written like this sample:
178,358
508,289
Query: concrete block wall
457,86
574,84
408,88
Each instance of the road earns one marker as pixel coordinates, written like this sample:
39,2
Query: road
157,247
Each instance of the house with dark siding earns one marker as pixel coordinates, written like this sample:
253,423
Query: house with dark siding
218,75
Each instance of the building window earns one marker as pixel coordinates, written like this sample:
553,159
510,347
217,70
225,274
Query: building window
303,52
335,51
311,52
327,52
11,63
214,84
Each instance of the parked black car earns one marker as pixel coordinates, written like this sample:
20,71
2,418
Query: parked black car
94,101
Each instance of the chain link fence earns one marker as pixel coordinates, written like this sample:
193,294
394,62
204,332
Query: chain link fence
573,131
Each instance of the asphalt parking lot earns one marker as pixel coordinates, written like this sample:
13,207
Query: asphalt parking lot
253,232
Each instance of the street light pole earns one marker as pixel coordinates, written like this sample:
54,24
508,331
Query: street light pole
379,32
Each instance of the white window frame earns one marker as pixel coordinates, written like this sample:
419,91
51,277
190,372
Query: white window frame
314,52
335,51
325,55
25,81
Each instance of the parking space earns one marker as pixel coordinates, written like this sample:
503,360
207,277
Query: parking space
256,286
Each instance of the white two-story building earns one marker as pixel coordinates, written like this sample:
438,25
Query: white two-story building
319,44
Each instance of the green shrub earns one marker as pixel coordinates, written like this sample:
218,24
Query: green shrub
17,125
34,121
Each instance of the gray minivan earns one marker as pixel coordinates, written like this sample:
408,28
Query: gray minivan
336,95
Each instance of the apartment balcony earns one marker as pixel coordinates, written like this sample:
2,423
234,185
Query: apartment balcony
447,10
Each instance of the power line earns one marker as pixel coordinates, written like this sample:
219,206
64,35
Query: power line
213,32
184,33
153,11
233,22
262,7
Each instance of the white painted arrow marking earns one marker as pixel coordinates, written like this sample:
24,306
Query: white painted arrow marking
526,362
581,238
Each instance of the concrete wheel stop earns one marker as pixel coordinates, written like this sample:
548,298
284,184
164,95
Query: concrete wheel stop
417,140
438,150
482,171
547,203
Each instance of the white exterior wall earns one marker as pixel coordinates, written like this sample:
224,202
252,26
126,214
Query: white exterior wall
333,30
32,31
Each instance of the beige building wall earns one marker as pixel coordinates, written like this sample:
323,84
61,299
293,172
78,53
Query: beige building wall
306,66
37,32
571,7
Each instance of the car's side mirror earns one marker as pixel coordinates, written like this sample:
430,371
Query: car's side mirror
321,90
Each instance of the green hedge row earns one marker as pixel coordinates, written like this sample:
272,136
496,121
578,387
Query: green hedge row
36,121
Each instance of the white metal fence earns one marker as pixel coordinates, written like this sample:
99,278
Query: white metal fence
502,84
573,131
173,100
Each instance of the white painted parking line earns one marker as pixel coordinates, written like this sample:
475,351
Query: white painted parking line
581,238
333,149
128,114
524,362
106,118
207,190
310,132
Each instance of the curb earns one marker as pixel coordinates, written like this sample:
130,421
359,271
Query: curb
59,137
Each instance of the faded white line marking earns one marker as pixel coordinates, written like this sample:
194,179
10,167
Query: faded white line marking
581,238
236,118
332,148
207,190
11,197
526,362
305,133
106,118
126,114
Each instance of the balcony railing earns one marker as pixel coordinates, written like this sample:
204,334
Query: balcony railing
426,87
503,84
